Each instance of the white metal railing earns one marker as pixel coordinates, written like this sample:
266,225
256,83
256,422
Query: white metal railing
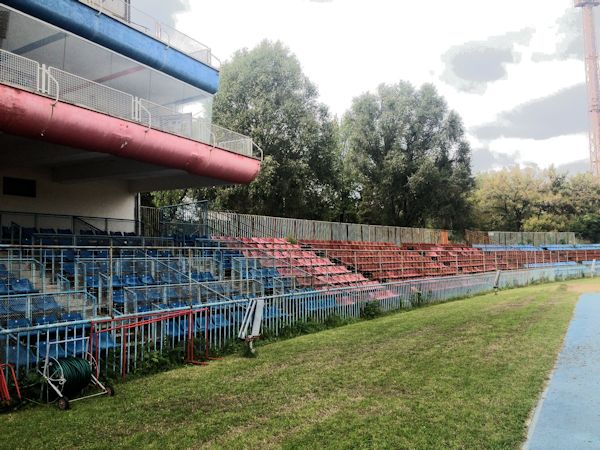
141,21
19,71
92,95
197,129
63,86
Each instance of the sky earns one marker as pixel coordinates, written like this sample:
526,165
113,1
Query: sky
512,69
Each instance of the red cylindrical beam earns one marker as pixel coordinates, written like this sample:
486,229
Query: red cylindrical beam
30,115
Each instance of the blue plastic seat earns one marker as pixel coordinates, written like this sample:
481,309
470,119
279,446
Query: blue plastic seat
197,276
171,293
132,281
177,328
101,267
45,320
118,297
170,278
45,304
68,255
68,268
201,324
77,346
117,282
148,280
92,282
22,286
154,295
101,254
219,321
54,349
18,323
15,353
4,289
209,276
105,341
178,305
19,305
139,297
272,312
15,324
74,329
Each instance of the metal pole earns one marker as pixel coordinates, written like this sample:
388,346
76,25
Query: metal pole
593,85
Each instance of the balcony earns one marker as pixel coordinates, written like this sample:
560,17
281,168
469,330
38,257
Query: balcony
123,11
62,86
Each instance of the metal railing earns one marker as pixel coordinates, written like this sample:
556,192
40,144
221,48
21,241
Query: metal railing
63,86
186,125
219,323
78,91
247,225
145,23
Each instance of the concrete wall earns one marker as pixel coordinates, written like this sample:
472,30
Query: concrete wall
93,199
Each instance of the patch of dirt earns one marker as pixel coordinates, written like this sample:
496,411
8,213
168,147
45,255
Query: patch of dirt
585,288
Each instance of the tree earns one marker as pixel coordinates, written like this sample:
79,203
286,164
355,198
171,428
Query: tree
265,95
410,158
504,200
588,227
532,200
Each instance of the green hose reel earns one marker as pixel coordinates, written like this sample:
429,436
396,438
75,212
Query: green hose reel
68,377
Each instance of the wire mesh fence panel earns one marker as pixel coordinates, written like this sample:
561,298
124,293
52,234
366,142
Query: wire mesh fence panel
166,119
230,140
26,310
19,71
88,94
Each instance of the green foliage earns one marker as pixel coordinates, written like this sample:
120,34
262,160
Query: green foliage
156,361
410,158
504,200
168,198
399,157
370,310
546,222
531,200
588,227
265,95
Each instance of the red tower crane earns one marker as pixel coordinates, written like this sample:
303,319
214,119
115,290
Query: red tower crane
593,83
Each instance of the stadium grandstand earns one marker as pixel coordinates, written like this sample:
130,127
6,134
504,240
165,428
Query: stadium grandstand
100,102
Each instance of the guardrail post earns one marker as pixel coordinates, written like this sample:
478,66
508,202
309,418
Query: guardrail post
110,281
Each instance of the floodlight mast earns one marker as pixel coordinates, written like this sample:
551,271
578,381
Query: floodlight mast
592,81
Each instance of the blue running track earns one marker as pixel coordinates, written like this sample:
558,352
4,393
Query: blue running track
568,415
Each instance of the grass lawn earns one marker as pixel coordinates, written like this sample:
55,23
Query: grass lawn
462,375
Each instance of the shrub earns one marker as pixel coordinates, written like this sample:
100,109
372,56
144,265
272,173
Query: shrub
370,310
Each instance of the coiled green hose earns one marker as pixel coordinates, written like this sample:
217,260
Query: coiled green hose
77,373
